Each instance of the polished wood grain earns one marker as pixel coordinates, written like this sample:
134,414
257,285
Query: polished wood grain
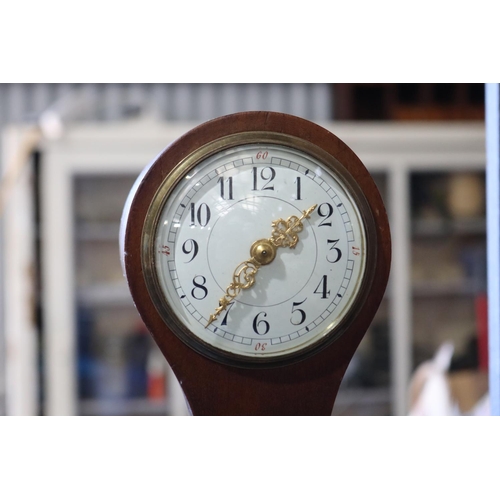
306,387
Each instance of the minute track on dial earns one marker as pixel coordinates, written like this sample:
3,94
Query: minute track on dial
262,252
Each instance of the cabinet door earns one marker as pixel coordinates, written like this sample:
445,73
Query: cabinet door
449,273
120,370
365,389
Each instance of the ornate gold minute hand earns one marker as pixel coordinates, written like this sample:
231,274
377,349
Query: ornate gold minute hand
262,252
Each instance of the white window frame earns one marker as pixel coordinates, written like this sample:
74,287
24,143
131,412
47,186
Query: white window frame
493,241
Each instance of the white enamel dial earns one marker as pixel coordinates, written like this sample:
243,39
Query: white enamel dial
207,225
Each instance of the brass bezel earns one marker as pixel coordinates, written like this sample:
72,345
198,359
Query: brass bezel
148,254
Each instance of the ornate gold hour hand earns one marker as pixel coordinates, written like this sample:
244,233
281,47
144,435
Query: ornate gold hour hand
262,252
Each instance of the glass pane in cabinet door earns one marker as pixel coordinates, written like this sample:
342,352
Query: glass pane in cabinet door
365,389
120,369
449,269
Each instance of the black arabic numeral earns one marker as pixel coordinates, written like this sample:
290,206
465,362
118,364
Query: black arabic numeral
199,292
266,174
190,247
260,325
297,181
224,321
229,188
295,309
202,215
325,210
333,248
322,287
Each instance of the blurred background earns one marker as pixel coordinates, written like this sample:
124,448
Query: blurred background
71,342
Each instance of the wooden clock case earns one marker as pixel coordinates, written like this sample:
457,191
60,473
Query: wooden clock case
306,387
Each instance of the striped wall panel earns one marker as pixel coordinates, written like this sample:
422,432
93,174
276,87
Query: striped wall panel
199,102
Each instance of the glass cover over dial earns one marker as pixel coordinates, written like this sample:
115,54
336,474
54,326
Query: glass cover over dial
259,252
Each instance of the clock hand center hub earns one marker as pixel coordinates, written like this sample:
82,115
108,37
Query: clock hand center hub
263,252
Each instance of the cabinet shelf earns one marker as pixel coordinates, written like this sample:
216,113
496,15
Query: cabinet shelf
132,407
97,231
104,295
363,401
447,227
450,289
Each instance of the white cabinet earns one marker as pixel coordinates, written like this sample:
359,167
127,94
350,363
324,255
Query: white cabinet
91,328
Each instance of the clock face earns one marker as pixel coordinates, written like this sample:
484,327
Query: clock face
203,224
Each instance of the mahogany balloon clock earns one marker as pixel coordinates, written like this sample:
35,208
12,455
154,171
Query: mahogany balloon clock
257,251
